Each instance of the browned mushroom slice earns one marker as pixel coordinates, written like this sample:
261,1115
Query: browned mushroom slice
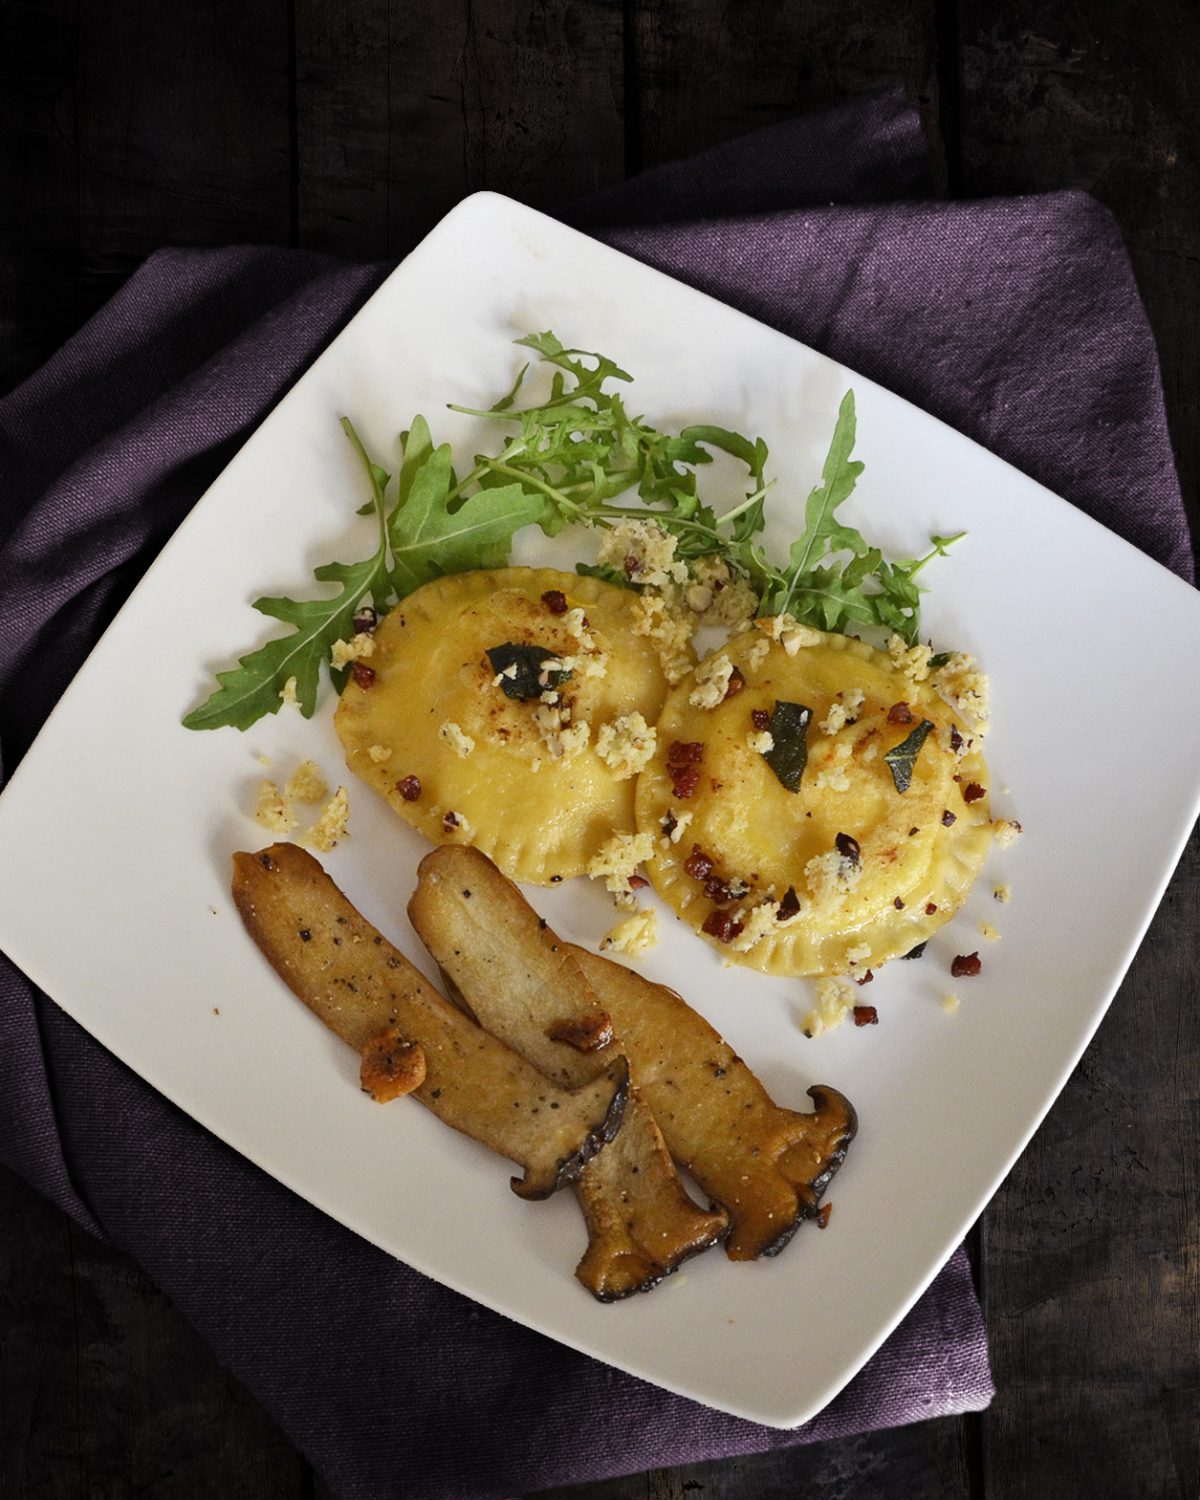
349,975
520,981
769,1166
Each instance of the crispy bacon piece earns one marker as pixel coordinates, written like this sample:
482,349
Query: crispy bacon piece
391,1066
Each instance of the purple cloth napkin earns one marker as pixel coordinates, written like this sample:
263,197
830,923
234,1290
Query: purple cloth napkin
1017,321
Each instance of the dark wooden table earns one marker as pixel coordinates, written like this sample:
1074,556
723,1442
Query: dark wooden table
351,126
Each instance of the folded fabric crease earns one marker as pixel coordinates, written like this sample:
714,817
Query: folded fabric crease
1017,321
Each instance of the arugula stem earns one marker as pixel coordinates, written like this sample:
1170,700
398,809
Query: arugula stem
377,489
732,515
939,550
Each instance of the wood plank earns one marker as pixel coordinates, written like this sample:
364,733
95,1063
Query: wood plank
104,1389
709,72
403,111
1094,1288
1103,97
183,132
39,176
1094,1293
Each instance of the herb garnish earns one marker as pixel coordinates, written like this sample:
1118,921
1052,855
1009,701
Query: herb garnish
254,687
788,756
902,758
565,460
531,678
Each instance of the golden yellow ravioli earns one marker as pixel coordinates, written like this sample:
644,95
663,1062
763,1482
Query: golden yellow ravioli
844,872
538,782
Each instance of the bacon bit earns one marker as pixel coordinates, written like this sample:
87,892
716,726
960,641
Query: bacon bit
973,791
789,906
632,564
955,738
865,1015
900,713
391,1066
365,620
949,818
450,822
930,908
409,788
684,780
683,765
822,1214
555,601
760,718
911,831
716,890
669,824
736,683
848,848
637,882
720,924
698,864
966,966
867,978
898,904
364,676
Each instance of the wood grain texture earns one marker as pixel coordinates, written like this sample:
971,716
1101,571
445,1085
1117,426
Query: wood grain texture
182,131
352,126
404,110
39,184
1102,97
105,1391
148,125
1094,1285
706,72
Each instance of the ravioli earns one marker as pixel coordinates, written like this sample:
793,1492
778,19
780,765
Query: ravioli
846,871
437,728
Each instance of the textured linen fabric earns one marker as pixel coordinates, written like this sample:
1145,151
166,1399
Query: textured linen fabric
1017,321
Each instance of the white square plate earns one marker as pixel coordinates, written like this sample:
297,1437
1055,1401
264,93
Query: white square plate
1089,645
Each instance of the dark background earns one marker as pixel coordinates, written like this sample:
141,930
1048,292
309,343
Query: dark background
351,127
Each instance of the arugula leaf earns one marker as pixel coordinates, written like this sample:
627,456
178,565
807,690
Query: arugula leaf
429,537
565,461
835,578
252,689
588,381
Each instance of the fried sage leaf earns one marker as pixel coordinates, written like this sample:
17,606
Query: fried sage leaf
788,756
902,758
532,677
